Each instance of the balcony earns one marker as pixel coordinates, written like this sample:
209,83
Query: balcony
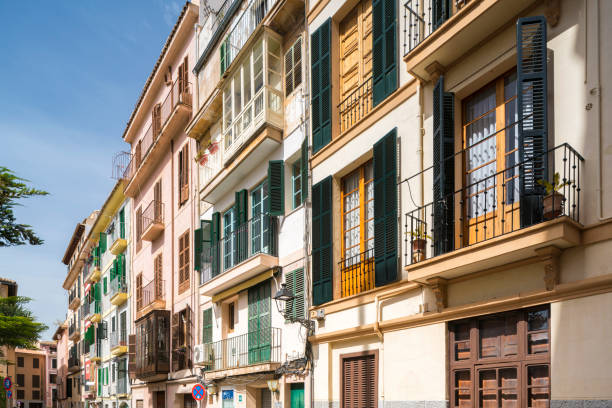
357,273
356,105
74,362
95,351
118,291
254,352
91,270
252,116
152,221
150,297
248,251
181,358
212,28
117,237
118,343
152,358
174,111
74,298
74,331
120,388
91,311
481,226
438,32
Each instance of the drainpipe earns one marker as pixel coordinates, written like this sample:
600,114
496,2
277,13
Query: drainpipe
597,91
420,154
171,251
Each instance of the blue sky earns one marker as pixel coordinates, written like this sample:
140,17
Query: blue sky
71,73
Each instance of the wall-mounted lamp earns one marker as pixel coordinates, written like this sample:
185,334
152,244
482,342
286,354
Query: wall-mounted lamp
273,385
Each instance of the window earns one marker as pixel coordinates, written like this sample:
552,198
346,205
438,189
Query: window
54,363
260,228
207,326
139,300
293,67
21,394
229,226
36,381
184,262
496,359
35,362
189,402
359,380
181,339
20,380
138,228
296,181
35,395
230,317
139,403
20,362
183,175
358,231
295,283
53,378
105,285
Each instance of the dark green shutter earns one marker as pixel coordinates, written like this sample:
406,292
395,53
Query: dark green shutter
197,249
241,236
384,54
259,323
295,283
122,223
222,57
102,243
532,108
443,168
385,209
276,191
440,12
121,271
207,326
320,46
322,284
241,204
215,245
105,286
304,169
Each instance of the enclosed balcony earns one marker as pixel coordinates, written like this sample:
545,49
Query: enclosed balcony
150,297
252,115
490,221
438,32
254,352
118,342
244,253
168,118
117,237
152,358
152,221
118,290
74,298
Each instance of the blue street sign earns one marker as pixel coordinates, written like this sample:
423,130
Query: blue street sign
9,394
198,392
7,383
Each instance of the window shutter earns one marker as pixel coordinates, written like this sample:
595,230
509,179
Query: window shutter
276,191
384,64
105,284
320,46
322,285
175,331
102,244
198,240
304,169
215,235
289,71
207,326
533,120
385,209
122,223
223,56
295,283
443,168
241,206
441,11
122,272
156,118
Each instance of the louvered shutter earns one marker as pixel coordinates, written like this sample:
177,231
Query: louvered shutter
137,157
304,169
197,249
322,285
295,283
440,12
188,334
443,168
533,120
207,326
132,355
276,191
215,246
384,50
156,119
175,341
122,271
359,382
105,283
385,209
320,45
139,291
289,71
102,243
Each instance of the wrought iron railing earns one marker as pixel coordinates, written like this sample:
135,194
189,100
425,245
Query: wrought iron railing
213,164
244,27
75,293
256,236
214,22
85,307
152,214
95,349
356,105
423,17
357,273
118,338
256,347
118,231
118,285
151,292
491,206
179,94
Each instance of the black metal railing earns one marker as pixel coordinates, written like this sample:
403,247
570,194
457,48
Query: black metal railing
256,236
75,293
423,17
118,285
151,292
73,328
256,347
85,307
357,273
118,338
152,214
356,105
493,205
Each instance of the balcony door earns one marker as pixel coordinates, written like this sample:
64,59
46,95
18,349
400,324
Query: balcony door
490,145
260,323
229,241
260,223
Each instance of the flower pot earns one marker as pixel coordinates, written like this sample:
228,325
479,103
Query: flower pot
202,160
418,249
213,147
553,205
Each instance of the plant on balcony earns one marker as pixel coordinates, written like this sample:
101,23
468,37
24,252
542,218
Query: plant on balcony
419,243
553,200
201,157
213,147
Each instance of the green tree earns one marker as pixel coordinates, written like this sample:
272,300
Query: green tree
13,188
17,325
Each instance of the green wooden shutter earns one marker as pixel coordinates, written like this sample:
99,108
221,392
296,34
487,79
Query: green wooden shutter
121,272
241,203
99,381
384,54
207,326
259,337
241,238
222,57
105,286
122,223
320,46
532,108
295,283
322,285
215,245
197,249
102,243
443,168
385,209
440,12
276,183
304,169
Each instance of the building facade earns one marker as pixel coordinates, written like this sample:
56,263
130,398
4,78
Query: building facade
30,381
50,373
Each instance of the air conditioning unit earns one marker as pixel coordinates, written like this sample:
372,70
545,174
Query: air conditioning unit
202,355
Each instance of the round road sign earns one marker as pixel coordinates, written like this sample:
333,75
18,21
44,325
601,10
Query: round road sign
198,392
7,383
9,394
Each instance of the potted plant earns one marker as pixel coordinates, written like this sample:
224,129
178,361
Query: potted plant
201,157
553,201
419,243
213,147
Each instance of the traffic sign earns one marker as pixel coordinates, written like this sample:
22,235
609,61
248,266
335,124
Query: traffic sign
198,392
7,383
9,394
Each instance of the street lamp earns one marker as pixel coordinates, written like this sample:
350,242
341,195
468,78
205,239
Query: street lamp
281,298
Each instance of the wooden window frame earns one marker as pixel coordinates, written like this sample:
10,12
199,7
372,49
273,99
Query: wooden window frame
376,372
184,262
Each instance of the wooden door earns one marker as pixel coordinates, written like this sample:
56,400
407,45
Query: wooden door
297,395
160,399
359,380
